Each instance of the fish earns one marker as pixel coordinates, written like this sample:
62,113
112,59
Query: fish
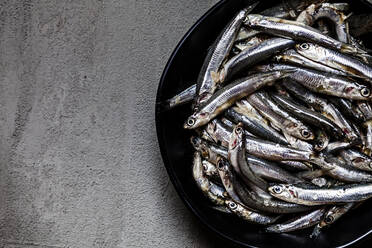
181,98
297,223
313,196
357,159
226,96
297,31
335,59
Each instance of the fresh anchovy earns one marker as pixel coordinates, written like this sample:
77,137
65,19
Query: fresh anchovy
310,175
331,216
249,215
321,140
360,24
318,196
307,115
298,143
323,106
237,157
219,132
296,31
207,80
335,59
227,177
265,202
338,170
357,159
255,126
226,96
210,169
326,11
298,223
183,97
252,56
368,138
323,83
222,209
292,57
279,117
214,193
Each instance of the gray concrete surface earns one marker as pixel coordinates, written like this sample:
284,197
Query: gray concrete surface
79,160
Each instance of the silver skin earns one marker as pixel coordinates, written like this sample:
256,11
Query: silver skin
248,215
298,143
226,96
252,56
297,31
253,41
183,97
307,115
287,9
310,175
237,157
257,127
255,198
357,159
298,223
368,136
337,146
335,60
262,168
366,109
219,132
320,104
346,107
293,57
338,170
213,192
278,117
260,148
309,196
323,83
326,11
207,80
331,216
227,177
297,165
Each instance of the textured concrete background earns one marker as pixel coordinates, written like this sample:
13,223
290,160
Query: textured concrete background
79,160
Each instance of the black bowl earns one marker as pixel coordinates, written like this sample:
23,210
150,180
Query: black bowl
180,72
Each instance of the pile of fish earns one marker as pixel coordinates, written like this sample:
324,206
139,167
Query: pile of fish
282,116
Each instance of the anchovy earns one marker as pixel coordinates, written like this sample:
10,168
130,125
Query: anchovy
237,157
210,170
252,56
264,202
345,106
293,57
279,117
331,216
357,159
310,196
213,192
297,165
207,80
249,215
226,96
321,140
335,60
297,31
253,41
366,109
337,146
323,83
298,223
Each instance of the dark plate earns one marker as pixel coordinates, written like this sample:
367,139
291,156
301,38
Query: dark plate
180,72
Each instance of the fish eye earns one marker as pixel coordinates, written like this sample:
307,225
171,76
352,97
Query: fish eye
220,164
305,46
277,189
233,205
320,144
194,141
305,133
239,130
365,92
191,121
329,219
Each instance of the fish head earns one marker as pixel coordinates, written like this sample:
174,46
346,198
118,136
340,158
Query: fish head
196,120
299,131
232,205
321,142
252,19
237,137
310,50
282,191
